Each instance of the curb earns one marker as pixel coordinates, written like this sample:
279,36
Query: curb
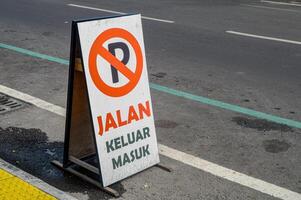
32,180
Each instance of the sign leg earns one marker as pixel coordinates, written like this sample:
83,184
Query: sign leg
163,167
108,190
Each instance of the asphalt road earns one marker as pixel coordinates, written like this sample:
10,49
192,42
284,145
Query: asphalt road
194,54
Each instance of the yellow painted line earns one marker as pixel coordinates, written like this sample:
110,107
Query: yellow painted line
12,187
4,175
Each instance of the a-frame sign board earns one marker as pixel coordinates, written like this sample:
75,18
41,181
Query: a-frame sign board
79,146
110,132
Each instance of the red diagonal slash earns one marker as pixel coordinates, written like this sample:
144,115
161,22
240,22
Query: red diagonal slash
116,63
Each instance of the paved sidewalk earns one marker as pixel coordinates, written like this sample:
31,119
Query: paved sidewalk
13,187
17,184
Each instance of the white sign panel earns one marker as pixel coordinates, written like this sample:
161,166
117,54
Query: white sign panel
116,75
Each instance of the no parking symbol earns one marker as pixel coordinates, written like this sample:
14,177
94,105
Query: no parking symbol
116,65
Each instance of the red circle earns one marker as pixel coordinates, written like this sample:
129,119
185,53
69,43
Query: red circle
98,49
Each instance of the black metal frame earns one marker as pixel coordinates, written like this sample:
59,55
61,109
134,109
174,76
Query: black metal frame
69,164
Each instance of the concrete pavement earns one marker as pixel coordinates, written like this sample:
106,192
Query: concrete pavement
196,55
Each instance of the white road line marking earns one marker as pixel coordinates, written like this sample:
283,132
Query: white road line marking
33,100
281,3
122,13
229,174
264,37
204,165
271,8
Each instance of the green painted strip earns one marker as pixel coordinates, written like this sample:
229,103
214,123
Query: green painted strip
34,54
227,106
178,93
